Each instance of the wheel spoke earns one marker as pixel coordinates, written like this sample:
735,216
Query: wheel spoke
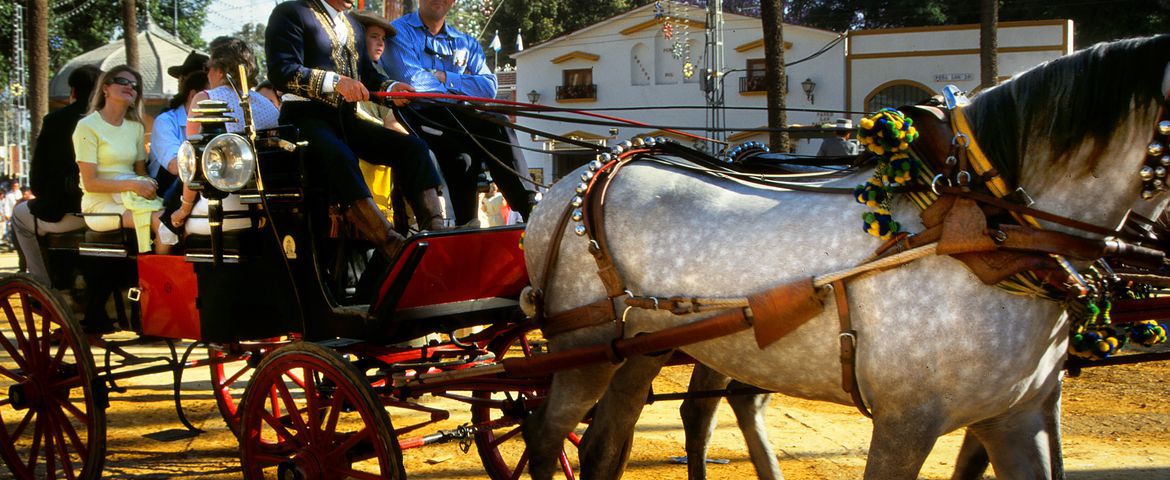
505,437
77,413
334,414
32,332
67,426
23,424
312,404
38,430
282,432
565,467
17,331
351,441
575,439
63,451
18,378
297,380
520,465
230,380
267,460
291,406
50,452
12,352
46,337
59,356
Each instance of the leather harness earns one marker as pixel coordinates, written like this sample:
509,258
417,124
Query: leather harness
957,221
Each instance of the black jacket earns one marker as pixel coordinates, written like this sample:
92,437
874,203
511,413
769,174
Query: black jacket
300,47
53,174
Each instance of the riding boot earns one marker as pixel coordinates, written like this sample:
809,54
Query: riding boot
428,210
364,215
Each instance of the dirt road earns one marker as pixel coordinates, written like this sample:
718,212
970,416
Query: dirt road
1116,426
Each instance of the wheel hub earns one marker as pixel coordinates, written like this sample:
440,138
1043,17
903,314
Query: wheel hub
24,395
306,465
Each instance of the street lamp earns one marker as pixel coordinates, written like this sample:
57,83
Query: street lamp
533,96
808,85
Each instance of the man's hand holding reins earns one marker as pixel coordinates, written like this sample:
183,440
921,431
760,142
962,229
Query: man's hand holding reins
351,90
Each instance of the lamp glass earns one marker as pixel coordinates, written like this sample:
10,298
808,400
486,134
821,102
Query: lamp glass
533,96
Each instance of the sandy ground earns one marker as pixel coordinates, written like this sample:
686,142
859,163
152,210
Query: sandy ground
1116,426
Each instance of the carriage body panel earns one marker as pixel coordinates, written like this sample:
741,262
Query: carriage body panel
169,289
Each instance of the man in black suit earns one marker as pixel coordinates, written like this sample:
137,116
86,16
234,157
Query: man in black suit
54,177
317,56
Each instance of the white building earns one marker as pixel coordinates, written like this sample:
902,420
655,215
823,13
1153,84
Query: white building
629,61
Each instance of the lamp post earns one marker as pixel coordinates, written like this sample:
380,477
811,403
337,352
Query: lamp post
808,85
533,96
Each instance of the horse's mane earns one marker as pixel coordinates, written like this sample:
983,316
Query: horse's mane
1068,101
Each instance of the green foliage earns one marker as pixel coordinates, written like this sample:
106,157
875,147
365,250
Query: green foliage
192,14
547,19
253,34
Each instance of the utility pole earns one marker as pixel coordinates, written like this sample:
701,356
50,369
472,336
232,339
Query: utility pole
130,32
716,116
21,96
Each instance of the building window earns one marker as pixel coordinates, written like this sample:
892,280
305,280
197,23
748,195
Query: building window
754,81
897,94
577,84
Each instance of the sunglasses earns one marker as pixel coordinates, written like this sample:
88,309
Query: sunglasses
125,82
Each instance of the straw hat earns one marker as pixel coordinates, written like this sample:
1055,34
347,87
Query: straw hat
367,18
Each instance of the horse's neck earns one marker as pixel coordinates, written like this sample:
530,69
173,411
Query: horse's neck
1101,194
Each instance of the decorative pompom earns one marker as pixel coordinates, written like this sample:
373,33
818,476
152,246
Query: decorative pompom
900,170
887,131
1095,343
880,224
871,194
1148,333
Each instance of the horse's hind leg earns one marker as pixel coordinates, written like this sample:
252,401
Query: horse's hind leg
749,413
899,446
698,417
972,461
605,448
572,394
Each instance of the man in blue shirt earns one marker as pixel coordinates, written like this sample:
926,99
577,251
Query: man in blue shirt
433,56
170,127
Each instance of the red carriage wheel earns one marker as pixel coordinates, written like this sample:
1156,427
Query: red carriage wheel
499,441
230,373
54,422
325,422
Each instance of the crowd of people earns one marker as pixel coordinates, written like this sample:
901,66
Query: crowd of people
324,60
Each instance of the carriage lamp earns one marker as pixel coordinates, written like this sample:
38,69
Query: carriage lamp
808,85
187,161
533,96
229,162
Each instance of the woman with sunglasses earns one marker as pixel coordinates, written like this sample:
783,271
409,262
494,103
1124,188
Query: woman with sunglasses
111,158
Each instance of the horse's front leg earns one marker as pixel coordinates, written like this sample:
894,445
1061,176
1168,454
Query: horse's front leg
571,395
605,448
1025,443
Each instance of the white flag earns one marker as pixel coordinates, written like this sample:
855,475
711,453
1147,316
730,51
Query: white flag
519,41
495,42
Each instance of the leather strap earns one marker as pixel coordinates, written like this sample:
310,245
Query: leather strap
596,313
550,260
848,340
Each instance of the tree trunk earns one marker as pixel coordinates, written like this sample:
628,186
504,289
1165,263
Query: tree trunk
772,16
988,44
38,65
130,32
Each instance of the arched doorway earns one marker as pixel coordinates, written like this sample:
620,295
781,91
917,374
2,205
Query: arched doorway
897,93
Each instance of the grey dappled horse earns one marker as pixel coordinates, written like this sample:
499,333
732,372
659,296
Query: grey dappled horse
937,350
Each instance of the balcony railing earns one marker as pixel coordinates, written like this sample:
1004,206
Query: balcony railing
577,92
752,83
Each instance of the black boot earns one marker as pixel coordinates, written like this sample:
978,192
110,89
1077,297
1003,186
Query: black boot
428,210
364,215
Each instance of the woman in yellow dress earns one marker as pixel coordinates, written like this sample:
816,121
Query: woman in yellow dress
111,158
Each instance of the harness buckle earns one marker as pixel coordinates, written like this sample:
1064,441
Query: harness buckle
934,183
961,140
851,336
133,294
963,178
682,305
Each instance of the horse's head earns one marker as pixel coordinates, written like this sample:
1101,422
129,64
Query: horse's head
1074,132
